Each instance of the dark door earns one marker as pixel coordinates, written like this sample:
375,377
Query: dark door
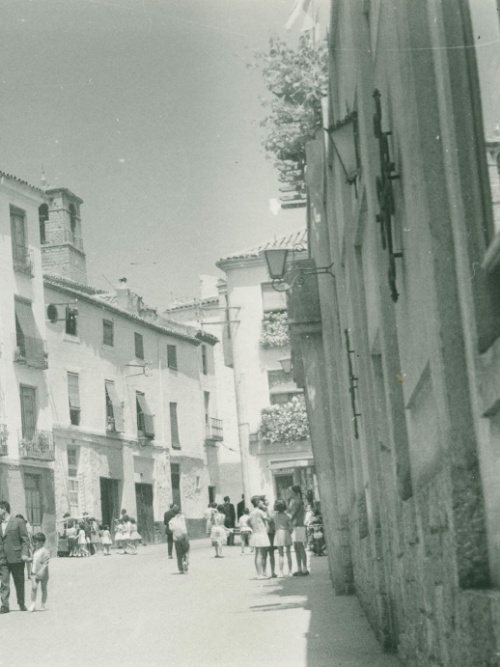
145,515
175,476
110,508
211,494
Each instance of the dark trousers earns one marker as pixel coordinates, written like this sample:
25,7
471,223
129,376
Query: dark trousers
17,571
170,542
181,550
230,538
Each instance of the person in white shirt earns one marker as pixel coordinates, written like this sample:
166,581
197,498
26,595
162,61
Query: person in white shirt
177,525
39,571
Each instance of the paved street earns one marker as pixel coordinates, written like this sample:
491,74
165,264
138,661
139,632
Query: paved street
126,610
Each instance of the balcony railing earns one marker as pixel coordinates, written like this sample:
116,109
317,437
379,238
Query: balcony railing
213,429
4,437
259,446
30,351
23,260
37,445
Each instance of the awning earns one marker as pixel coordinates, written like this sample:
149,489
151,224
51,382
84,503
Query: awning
26,319
117,406
149,422
289,464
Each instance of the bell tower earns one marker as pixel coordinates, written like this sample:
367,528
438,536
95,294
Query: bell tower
61,235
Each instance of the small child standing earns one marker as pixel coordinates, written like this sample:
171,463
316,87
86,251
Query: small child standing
106,540
134,537
82,542
245,531
284,529
177,525
39,571
119,536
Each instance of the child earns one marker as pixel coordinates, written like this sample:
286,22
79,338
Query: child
218,533
259,520
134,537
245,531
106,540
284,529
82,542
177,525
119,536
39,571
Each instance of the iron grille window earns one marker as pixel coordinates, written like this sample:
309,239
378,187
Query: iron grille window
33,499
174,426
172,357
108,333
139,345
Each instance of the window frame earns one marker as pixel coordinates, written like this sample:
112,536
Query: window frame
28,433
74,395
108,332
139,345
174,425
204,359
172,357
71,322
30,493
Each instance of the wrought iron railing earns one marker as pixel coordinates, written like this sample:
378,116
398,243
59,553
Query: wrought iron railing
30,351
23,260
37,445
4,437
213,429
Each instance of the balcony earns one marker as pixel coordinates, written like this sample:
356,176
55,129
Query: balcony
259,446
213,430
37,445
30,351
4,437
23,260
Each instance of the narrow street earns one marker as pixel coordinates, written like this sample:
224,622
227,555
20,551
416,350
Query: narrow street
126,610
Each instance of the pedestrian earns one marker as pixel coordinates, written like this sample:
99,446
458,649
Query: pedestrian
167,517
29,530
230,522
271,531
284,528
83,551
71,535
134,538
181,540
296,512
240,507
218,533
245,531
258,521
14,552
119,536
40,571
209,516
106,540
87,527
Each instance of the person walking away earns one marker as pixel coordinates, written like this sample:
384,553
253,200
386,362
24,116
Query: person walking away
245,531
71,535
241,507
296,512
135,538
14,553
230,521
218,533
167,517
260,540
181,540
119,536
39,571
284,527
106,540
83,552
128,546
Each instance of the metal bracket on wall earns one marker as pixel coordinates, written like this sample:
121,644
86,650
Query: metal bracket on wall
385,195
353,384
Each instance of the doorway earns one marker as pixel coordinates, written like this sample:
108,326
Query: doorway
145,514
282,484
110,503
211,494
175,477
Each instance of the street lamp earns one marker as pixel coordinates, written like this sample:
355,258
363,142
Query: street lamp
276,262
276,259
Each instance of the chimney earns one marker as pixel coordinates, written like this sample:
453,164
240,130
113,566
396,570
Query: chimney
123,294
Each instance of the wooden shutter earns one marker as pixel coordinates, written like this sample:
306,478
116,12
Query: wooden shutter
117,406
32,343
74,391
174,426
149,420
28,412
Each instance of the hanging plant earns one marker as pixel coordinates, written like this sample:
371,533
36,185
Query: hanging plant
275,329
287,423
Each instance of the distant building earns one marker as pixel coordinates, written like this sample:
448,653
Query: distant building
223,450
26,441
257,337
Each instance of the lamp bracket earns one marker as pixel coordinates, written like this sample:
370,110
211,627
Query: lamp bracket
280,285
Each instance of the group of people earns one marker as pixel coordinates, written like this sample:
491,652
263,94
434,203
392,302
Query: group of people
20,550
86,536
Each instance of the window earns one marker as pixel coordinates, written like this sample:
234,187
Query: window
114,409
72,220
139,346
282,388
72,461
204,360
172,357
145,418
43,216
29,345
271,299
71,321
73,481
20,251
108,333
29,412
74,398
174,426
33,499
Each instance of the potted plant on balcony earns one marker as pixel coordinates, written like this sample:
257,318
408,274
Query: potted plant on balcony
287,423
275,329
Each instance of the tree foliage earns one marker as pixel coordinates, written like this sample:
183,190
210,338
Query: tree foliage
298,79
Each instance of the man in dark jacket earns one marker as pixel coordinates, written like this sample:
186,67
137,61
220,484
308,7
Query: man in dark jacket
230,520
167,517
14,552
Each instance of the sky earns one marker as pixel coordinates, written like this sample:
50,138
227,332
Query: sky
148,111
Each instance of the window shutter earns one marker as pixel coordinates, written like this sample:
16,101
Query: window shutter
28,412
32,341
149,420
117,406
174,426
74,391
